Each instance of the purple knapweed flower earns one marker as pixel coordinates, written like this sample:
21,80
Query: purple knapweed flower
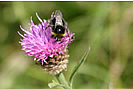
38,42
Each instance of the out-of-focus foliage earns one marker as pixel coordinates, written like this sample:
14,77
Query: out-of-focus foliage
106,27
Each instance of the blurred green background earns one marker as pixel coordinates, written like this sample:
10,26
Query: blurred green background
106,27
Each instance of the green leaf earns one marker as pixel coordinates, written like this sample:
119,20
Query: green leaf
54,84
77,67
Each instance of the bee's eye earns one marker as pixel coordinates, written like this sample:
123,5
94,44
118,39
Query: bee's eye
60,30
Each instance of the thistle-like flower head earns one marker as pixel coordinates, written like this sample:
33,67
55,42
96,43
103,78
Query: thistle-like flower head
38,42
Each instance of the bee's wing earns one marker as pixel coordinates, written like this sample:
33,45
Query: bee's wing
64,23
58,13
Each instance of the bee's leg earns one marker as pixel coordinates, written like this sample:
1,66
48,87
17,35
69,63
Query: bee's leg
48,24
53,36
57,39
47,27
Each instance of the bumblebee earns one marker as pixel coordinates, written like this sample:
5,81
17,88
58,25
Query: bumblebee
58,26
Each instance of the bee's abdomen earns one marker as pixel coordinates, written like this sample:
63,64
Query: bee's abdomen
59,30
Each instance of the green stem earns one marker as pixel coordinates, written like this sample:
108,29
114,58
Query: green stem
61,79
